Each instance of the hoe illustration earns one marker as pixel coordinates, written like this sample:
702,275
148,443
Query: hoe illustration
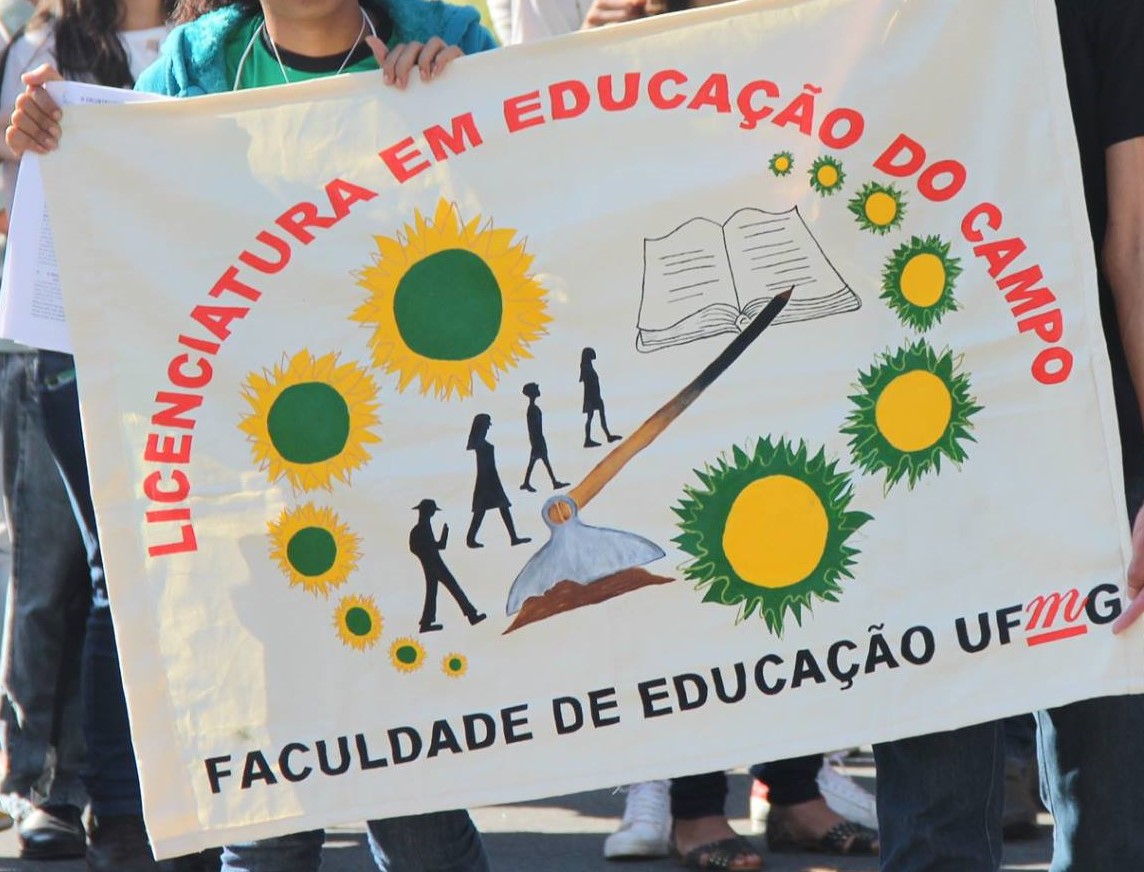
581,554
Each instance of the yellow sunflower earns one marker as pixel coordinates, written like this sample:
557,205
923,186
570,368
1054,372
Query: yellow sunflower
407,654
358,622
455,665
314,548
311,419
449,301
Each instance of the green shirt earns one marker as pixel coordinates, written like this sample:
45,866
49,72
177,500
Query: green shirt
260,68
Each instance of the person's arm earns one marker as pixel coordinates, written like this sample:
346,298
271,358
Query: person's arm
1123,262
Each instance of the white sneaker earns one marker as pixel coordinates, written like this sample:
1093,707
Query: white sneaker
846,797
646,825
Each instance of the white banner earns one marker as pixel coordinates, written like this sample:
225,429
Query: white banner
333,338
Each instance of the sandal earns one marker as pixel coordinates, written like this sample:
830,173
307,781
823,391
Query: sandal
841,840
720,854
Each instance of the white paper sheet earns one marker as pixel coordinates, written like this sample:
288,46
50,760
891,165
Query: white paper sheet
32,304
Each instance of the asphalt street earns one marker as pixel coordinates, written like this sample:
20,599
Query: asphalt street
566,834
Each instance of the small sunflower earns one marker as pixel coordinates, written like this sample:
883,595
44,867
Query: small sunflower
878,208
313,548
455,665
918,282
782,163
311,419
913,408
358,622
407,654
826,175
449,301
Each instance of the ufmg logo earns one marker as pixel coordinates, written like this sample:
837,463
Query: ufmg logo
1056,616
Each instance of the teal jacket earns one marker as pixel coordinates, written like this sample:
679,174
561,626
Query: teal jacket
193,59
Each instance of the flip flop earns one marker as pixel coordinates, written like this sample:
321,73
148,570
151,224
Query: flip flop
717,855
844,839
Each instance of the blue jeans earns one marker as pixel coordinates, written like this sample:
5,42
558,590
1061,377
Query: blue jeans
110,775
441,842
47,605
940,796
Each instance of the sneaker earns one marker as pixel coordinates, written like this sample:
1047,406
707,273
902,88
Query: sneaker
646,826
845,796
759,807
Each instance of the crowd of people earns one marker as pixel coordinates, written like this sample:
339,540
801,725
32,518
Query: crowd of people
69,774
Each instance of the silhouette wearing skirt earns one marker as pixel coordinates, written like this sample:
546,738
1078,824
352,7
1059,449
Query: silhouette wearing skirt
593,400
427,548
488,492
538,445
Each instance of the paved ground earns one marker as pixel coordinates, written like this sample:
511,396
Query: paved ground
565,834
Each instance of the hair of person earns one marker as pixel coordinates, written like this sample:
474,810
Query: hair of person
479,430
87,39
586,358
189,10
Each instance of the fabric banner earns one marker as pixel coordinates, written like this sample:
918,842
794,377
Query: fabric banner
715,389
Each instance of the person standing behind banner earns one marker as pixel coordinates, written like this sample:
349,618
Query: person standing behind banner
939,796
48,592
222,47
107,43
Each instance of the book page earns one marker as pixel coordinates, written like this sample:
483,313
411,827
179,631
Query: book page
684,272
31,305
772,251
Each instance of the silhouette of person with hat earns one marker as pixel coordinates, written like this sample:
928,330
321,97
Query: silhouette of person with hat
427,548
538,445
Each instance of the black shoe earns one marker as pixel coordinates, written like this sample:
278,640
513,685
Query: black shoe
556,485
476,618
429,628
527,487
612,437
119,844
52,832
591,443
520,540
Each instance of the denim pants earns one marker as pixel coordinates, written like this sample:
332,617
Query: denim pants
441,842
940,796
110,776
47,605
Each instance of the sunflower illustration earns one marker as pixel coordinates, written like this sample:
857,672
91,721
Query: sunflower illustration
826,175
767,531
449,301
455,665
913,408
311,419
313,548
918,282
407,654
358,622
782,163
878,208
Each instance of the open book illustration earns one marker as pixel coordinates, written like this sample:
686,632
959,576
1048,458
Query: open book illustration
705,278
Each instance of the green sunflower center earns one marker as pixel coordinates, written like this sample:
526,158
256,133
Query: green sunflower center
312,551
309,423
358,621
407,654
449,306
